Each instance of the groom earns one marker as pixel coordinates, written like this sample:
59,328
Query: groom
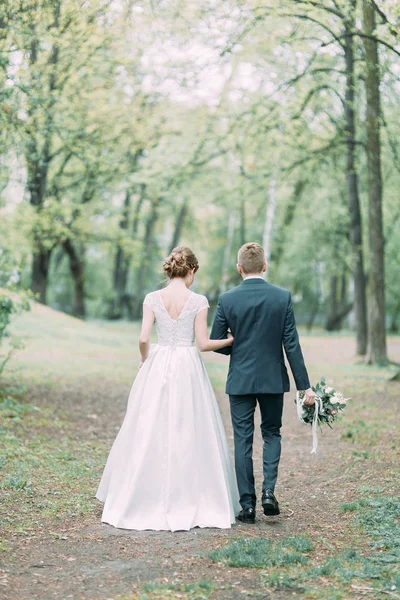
260,317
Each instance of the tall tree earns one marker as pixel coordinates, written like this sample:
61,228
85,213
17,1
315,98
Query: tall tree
40,130
57,44
355,229
376,281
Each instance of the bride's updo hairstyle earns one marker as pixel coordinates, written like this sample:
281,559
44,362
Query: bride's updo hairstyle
180,262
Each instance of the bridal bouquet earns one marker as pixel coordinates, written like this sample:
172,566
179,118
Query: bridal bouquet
329,403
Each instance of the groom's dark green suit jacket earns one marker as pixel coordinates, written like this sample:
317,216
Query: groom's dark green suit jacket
260,317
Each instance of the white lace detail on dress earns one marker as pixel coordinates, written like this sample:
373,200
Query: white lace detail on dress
180,331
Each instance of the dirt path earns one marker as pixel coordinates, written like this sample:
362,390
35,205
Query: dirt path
83,559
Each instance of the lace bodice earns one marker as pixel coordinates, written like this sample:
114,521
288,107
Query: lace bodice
180,331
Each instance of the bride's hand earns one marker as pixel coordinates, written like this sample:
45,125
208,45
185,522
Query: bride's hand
230,338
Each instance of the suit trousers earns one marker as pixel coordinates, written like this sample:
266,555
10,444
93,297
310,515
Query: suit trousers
242,414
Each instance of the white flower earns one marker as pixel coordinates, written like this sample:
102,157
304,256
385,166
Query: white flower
338,399
328,390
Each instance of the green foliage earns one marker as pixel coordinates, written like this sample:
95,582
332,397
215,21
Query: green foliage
6,309
259,553
98,112
12,302
9,305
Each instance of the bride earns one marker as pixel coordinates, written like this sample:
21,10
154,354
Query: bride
169,467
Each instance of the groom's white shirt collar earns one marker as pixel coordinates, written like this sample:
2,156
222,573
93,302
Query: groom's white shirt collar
253,277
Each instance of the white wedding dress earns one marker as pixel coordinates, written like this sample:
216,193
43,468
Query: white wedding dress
169,467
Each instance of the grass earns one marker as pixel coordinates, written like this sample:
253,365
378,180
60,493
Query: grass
380,517
59,348
47,475
199,590
259,553
375,570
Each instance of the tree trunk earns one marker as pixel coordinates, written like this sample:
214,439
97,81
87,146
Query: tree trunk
36,182
394,328
115,311
138,209
137,299
40,270
313,313
77,267
319,296
180,221
242,222
226,260
332,304
360,300
337,310
120,265
38,160
270,218
289,214
120,306
377,352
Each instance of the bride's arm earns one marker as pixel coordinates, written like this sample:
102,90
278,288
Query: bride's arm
203,339
144,339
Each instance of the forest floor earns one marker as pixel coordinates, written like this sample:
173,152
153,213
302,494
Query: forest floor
63,399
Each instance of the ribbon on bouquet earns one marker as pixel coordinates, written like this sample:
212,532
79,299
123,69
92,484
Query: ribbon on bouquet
299,405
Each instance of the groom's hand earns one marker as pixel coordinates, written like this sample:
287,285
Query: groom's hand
309,398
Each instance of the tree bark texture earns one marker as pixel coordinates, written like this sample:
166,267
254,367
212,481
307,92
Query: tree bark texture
360,296
121,265
377,351
77,268
179,224
338,307
137,299
38,157
40,270
226,259
270,214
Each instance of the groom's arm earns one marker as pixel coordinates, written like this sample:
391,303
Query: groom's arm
293,351
220,328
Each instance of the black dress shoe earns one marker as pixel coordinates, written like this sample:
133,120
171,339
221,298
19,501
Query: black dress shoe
247,515
270,503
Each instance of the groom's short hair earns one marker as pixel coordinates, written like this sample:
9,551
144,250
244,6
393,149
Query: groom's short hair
251,258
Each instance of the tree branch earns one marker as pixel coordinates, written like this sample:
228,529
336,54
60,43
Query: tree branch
320,5
310,95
